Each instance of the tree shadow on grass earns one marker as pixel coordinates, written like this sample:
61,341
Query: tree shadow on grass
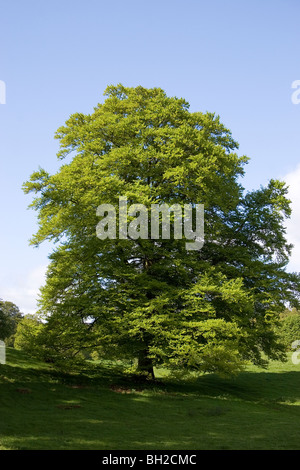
100,410
110,419
254,386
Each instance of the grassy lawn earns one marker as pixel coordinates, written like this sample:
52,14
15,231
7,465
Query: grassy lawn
40,409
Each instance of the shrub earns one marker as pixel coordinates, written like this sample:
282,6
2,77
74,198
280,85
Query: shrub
289,329
28,331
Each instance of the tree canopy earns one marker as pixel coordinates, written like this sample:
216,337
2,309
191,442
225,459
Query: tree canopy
153,300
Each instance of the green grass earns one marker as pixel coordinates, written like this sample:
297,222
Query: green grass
41,409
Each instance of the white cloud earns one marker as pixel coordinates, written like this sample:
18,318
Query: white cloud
293,224
24,291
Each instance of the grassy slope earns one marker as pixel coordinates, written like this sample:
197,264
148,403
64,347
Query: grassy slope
40,409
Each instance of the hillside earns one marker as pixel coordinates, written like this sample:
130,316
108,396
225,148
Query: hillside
41,409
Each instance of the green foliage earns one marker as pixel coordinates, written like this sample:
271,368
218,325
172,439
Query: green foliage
208,310
289,328
50,341
10,315
27,334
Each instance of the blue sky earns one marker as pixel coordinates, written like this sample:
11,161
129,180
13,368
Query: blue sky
236,58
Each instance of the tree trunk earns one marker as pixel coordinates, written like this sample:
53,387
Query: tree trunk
145,364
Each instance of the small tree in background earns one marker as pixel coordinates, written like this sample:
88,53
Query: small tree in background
289,328
10,316
26,337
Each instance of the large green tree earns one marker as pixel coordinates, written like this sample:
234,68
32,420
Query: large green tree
154,300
